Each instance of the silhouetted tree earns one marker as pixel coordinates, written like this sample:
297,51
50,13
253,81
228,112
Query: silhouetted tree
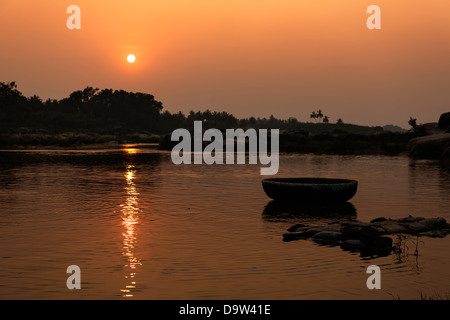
415,128
319,114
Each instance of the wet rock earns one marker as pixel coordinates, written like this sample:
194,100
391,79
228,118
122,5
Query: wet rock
427,224
372,231
446,228
351,233
355,224
352,244
293,236
335,227
409,219
391,227
296,227
371,235
435,234
327,235
312,231
417,226
435,223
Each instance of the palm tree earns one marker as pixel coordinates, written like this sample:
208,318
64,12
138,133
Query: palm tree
319,114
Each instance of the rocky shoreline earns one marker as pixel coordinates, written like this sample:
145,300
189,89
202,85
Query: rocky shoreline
435,144
373,235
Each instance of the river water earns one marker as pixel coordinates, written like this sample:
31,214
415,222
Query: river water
140,227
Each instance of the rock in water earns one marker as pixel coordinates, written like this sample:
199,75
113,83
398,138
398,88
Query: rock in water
312,231
351,233
435,233
391,227
427,224
352,244
296,227
369,235
355,224
409,219
429,147
293,236
327,235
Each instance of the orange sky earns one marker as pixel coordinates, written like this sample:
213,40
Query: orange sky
247,57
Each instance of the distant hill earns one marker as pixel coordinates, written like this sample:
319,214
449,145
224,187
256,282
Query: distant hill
392,128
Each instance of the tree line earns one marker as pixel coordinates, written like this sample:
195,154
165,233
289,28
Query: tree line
108,110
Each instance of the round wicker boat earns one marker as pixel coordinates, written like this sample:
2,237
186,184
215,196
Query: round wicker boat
310,189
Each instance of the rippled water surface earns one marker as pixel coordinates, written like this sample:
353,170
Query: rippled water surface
140,227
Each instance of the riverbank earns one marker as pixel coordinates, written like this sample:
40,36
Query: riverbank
72,139
341,143
337,142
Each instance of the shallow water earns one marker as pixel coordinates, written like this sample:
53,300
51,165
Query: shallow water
140,227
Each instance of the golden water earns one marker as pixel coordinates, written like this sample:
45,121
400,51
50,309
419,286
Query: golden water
140,227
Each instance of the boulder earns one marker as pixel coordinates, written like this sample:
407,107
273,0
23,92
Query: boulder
350,232
427,224
355,224
372,231
432,128
312,231
409,219
444,120
327,235
391,227
352,244
335,227
296,227
369,236
293,236
418,226
429,147
435,233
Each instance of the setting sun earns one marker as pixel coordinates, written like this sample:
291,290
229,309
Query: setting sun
131,58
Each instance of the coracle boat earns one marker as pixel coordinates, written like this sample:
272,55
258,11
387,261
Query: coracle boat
307,190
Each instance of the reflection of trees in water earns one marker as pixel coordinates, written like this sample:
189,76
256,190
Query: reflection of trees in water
405,246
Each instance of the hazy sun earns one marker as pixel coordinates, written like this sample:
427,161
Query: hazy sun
131,58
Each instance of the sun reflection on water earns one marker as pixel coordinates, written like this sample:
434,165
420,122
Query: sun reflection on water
130,219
